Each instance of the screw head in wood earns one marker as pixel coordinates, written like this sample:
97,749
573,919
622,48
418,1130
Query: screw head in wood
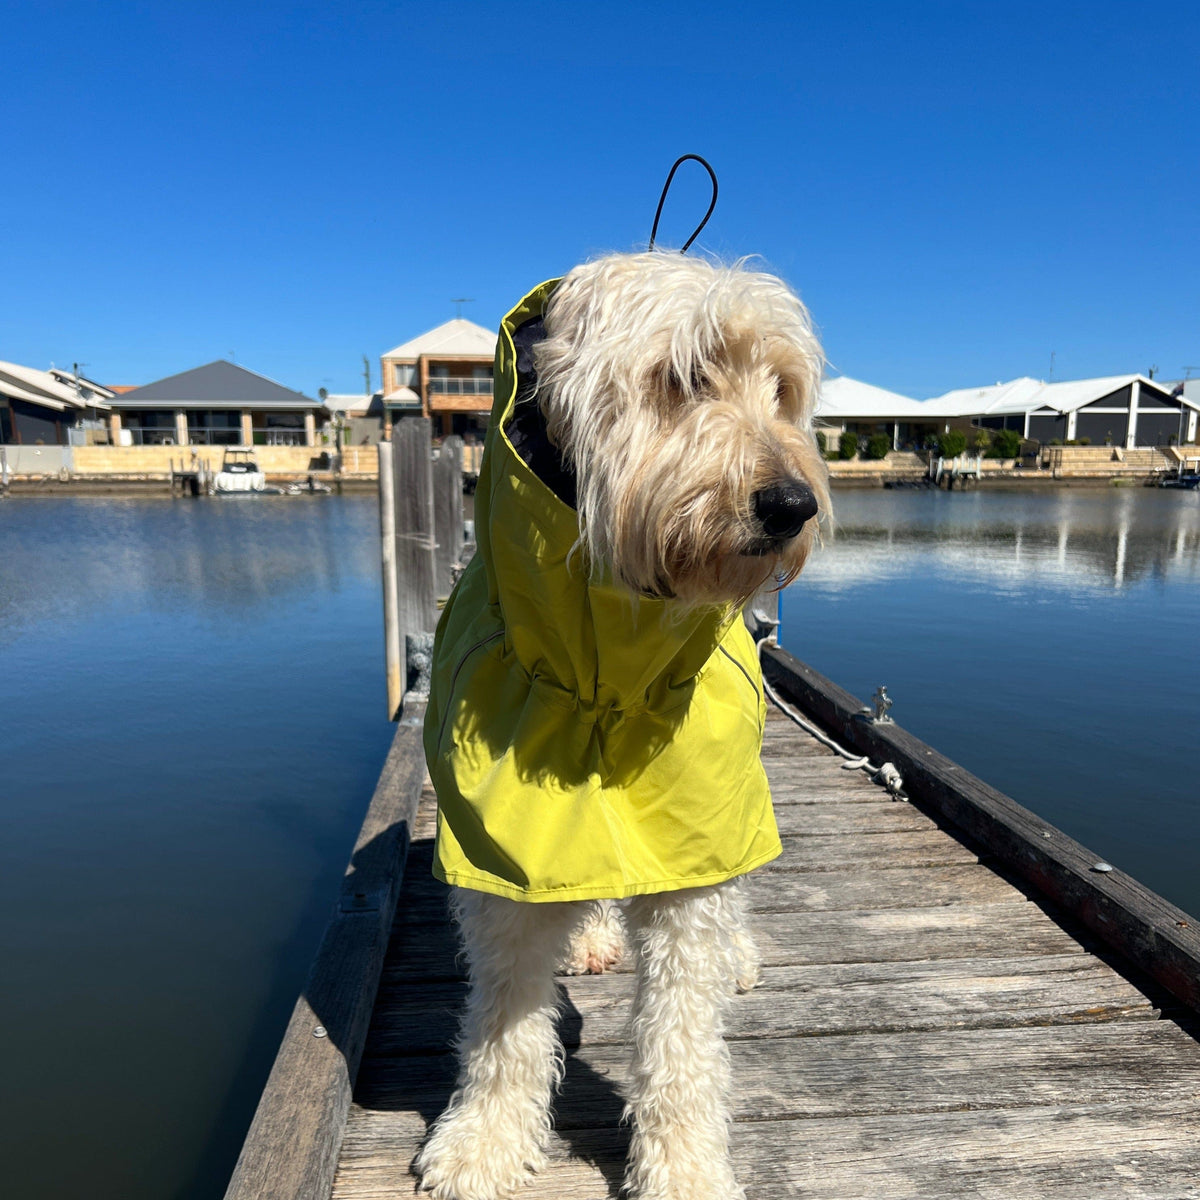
320,1031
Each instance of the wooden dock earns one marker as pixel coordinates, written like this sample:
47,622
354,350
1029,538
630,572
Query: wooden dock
958,1000
928,1024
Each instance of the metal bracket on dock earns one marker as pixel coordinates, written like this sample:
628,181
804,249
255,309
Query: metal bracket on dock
882,702
359,902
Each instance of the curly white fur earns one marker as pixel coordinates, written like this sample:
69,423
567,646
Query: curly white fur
677,388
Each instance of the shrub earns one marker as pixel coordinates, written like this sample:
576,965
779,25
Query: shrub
878,445
952,444
821,443
1085,441
1055,442
848,445
981,440
1006,443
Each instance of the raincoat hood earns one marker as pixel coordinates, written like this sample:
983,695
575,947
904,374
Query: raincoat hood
583,742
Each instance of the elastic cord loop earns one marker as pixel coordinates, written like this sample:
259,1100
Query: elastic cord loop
667,187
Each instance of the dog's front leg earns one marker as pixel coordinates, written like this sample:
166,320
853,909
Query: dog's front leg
678,1094
494,1130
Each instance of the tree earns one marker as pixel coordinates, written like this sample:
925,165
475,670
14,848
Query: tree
1006,443
952,444
878,445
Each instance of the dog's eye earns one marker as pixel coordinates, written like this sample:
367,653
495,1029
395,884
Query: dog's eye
781,391
694,386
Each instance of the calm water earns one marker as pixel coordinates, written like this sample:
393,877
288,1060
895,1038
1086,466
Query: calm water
191,700
192,720
1048,642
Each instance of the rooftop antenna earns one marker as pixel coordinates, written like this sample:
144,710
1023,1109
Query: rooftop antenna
1153,371
1188,371
459,301
1051,379
366,375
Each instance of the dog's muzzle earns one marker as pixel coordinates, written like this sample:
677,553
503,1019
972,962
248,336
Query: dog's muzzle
781,510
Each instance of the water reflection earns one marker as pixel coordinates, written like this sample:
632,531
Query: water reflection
1101,539
192,722
219,556
1037,638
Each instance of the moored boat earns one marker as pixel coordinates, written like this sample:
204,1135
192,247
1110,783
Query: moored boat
239,473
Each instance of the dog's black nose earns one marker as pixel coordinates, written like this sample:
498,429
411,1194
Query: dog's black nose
783,508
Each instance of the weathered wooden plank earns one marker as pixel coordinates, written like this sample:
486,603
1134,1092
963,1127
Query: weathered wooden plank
1161,939
395,664
792,1001
430,952
291,1149
1132,1062
412,468
447,511
1086,1152
855,820
782,891
913,848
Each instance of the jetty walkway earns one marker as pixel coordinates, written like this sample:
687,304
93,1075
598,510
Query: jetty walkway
929,1022
958,1000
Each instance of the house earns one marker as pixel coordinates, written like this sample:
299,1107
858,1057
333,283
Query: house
849,405
1116,410
219,404
445,374
50,408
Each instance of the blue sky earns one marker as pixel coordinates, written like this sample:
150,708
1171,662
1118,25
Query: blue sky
956,190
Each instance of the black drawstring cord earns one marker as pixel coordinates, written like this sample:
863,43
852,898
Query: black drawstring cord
667,187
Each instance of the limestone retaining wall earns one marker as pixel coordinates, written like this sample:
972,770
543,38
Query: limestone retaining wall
155,461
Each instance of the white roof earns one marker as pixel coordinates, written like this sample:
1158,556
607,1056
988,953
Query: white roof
458,336
1066,397
403,395
345,402
1018,395
1025,395
843,397
41,387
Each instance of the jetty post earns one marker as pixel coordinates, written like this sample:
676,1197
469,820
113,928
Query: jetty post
421,535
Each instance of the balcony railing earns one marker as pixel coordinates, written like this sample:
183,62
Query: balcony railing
214,435
279,437
150,435
441,385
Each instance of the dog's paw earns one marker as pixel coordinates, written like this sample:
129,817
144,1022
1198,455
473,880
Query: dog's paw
679,1177
599,942
465,1159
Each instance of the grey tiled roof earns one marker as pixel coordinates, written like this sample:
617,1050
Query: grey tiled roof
219,384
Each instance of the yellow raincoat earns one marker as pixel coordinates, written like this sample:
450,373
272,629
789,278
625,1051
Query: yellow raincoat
583,743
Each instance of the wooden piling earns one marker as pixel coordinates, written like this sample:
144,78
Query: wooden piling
448,511
421,524
412,472
393,635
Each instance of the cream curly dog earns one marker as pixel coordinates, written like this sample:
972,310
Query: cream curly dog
596,717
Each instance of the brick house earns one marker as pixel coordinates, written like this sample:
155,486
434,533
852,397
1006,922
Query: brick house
445,374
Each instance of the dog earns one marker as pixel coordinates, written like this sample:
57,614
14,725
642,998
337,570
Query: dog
596,713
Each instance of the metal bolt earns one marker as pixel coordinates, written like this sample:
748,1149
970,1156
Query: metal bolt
1102,867
320,1031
